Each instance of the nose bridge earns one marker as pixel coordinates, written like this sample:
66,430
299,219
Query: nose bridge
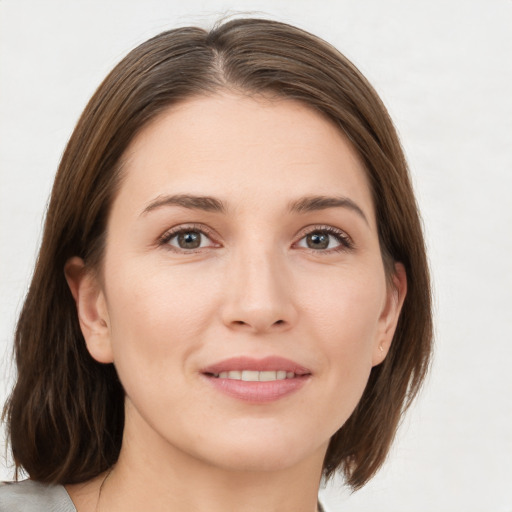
259,295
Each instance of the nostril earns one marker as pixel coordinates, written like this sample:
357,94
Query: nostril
241,322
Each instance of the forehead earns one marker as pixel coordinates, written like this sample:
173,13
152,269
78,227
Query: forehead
238,149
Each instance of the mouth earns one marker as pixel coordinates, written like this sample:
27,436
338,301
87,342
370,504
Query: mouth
257,380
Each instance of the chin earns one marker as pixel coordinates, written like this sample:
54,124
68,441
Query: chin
264,453
257,462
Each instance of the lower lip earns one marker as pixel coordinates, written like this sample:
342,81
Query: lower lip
258,392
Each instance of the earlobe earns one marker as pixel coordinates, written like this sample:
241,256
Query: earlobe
390,313
91,309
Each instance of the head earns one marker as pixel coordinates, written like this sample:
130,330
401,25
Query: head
67,390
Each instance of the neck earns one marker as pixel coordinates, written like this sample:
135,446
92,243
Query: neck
151,474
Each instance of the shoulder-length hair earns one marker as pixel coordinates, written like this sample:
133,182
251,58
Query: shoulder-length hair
66,413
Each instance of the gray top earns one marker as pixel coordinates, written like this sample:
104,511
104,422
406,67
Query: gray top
30,496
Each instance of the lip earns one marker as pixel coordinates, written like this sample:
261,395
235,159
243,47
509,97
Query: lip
270,363
257,392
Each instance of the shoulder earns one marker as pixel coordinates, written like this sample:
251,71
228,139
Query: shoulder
30,496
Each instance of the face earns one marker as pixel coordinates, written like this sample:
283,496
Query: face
243,298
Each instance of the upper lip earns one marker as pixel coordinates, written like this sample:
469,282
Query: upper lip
270,363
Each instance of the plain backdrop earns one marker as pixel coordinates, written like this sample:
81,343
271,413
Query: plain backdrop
443,68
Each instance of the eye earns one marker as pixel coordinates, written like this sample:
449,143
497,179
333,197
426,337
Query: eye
187,239
326,239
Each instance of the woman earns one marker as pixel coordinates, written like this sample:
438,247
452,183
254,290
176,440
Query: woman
231,299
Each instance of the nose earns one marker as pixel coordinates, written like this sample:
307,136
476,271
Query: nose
259,294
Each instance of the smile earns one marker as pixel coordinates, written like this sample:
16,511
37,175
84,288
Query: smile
257,381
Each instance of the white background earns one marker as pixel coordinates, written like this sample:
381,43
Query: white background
444,69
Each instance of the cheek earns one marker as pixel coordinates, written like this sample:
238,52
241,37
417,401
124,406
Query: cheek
157,317
346,307
344,320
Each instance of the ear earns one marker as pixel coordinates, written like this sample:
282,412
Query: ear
91,308
388,319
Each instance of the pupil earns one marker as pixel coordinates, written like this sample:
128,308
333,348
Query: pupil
189,240
318,241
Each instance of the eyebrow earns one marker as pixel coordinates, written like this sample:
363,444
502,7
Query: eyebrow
315,203
192,202
211,204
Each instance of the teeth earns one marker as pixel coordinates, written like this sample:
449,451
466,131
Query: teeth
255,376
250,376
266,376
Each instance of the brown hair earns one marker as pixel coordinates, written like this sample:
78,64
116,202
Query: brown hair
66,412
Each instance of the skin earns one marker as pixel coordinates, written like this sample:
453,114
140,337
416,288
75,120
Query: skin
254,287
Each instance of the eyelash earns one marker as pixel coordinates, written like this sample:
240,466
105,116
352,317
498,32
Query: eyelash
345,242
